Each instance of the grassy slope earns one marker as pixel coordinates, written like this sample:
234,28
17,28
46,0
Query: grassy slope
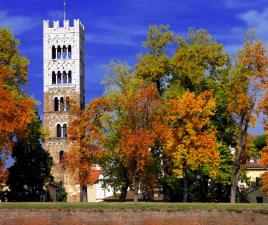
144,206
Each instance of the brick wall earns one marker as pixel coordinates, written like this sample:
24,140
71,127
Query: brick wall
130,217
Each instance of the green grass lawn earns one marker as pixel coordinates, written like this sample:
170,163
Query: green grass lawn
130,205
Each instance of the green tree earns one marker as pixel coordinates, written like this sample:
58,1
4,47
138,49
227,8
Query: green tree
31,170
258,144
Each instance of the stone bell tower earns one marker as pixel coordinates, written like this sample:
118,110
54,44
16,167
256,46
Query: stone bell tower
64,81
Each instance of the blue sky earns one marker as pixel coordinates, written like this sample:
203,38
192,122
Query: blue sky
115,29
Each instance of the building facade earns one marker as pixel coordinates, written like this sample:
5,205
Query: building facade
64,81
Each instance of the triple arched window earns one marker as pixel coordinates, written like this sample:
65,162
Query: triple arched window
61,52
61,104
61,130
62,77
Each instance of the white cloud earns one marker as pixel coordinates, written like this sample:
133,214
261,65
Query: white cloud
252,19
18,24
115,34
257,20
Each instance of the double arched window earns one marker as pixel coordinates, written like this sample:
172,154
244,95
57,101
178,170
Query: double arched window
61,104
62,78
64,52
61,130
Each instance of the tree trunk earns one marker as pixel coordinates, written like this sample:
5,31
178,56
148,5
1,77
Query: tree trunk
124,189
243,127
234,182
136,191
185,184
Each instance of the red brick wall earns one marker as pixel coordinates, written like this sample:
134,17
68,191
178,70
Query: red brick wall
130,217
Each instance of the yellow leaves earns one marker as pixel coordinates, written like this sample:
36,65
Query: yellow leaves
264,163
264,157
264,187
192,111
193,140
152,68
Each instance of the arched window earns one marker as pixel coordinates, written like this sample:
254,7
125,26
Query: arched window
69,51
58,52
56,104
64,77
61,104
59,77
64,52
67,103
54,78
61,156
53,52
64,130
58,130
69,77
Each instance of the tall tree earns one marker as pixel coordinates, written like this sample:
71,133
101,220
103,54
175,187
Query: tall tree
31,170
16,107
139,131
248,75
193,139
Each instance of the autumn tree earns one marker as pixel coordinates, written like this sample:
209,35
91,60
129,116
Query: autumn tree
193,139
85,135
16,107
139,131
247,77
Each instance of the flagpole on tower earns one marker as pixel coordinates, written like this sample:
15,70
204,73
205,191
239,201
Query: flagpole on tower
64,13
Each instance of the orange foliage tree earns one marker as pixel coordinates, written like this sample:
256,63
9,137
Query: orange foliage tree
248,78
141,126
16,111
16,107
85,135
193,140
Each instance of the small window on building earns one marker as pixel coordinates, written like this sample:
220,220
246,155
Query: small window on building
58,52
64,77
69,51
259,199
258,181
64,52
61,156
54,78
53,52
69,77
61,104
59,77
56,104
58,130
64,130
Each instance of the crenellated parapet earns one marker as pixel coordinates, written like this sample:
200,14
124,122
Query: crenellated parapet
51,25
